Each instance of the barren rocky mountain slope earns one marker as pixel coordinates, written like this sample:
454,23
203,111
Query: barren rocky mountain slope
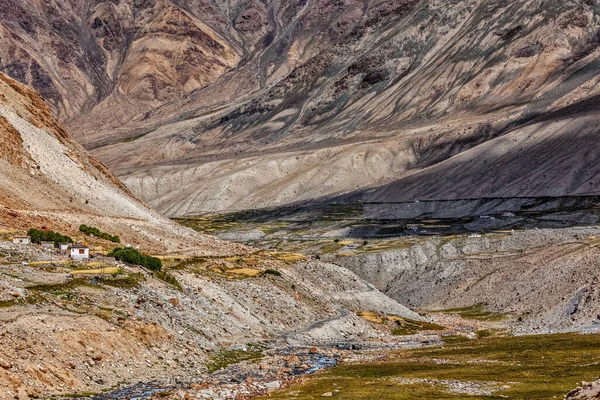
69,327
49,180
242,104
543,280
64,334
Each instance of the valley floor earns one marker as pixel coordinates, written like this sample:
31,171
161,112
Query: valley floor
528,289
274,321
496,367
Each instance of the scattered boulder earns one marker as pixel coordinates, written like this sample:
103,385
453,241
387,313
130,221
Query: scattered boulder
5,364
587,390
273,385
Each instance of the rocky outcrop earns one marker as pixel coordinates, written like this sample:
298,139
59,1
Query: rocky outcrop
543,280
587,391
124,58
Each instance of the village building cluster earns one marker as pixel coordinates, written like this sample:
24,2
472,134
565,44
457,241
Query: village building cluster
76,251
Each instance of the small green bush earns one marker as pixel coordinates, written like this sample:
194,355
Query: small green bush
170,279
132,256
90,230
38,236
273,272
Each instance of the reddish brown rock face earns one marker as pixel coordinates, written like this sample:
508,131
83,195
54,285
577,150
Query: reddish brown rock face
12,144
77,56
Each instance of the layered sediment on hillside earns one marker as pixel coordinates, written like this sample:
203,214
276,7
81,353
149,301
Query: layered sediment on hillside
541,280
265,105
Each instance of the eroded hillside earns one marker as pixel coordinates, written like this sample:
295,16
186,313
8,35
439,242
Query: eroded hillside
436,97
74,327
203,106
48,180
69,332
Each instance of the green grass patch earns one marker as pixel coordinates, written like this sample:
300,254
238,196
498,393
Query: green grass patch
168,278
81,395
331,247
31,299
441,244
533,367
226,357
478,312
190,263
211,224
128,282
411,327
59,289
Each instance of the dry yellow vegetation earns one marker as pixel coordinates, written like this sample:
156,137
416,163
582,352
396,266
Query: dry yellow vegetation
96,264
290,256
370,316
245,271
109,270
394,318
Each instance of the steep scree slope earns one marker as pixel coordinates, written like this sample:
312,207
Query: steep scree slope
49,180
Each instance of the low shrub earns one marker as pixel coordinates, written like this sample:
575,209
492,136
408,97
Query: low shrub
90,230
132,256
273,272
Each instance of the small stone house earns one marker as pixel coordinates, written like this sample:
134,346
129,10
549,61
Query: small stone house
79,251
47,245
64,247
21,240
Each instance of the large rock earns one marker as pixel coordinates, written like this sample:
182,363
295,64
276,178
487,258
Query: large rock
587,391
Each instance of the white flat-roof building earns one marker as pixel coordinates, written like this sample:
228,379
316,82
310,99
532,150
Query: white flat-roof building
21,240
79,251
